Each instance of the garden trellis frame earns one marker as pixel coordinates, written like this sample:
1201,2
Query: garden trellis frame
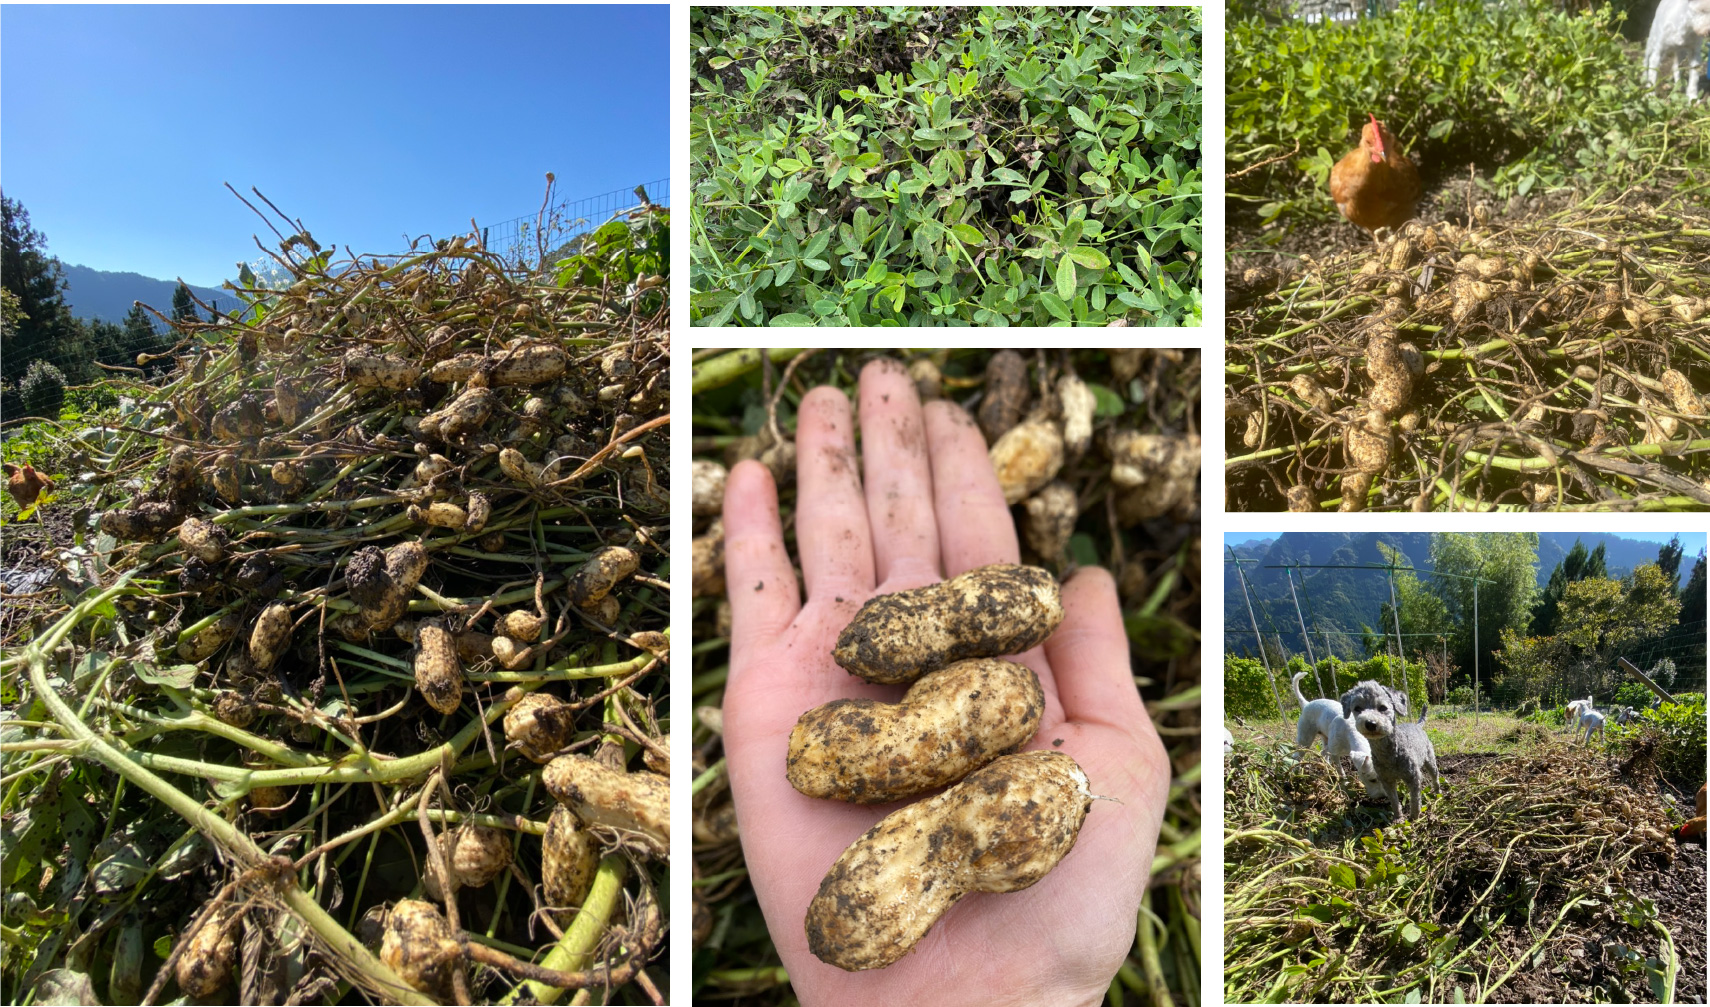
525,242
1395,609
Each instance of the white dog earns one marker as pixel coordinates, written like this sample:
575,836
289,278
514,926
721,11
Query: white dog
1570,721
1322,718
1678,31
1590,720
1228,741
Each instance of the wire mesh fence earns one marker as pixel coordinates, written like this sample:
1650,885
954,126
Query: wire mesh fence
533,241
1676,658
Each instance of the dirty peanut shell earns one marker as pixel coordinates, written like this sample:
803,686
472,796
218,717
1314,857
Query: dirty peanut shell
377,370
205,965
1000,830
950,723
205,541
539,725
272,633
146,522
708,479
1369,442
418,945
1154,472
990,611
476,854
1027,457
439,676
568,859
209,639
708,562
1005,395
637,805
603,570
1051,516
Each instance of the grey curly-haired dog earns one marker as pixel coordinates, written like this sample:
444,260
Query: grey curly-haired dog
1401,753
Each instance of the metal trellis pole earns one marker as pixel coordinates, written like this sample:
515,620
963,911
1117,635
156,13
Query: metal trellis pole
1395,613
1305,637
1242,574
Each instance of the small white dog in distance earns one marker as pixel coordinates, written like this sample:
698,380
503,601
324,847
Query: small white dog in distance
1570,721
1228,741
1322,718
1590,720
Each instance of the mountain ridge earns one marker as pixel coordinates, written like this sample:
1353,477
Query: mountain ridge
99,294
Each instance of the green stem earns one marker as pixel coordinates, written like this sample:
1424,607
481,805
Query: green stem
571,954
341,944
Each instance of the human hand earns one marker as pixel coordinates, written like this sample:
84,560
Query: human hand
930,507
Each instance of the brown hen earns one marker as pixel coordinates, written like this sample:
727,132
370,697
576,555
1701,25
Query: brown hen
1375,185
26,484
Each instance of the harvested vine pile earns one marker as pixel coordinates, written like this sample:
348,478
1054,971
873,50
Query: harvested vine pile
1098,453
366,559
1548,362
1542,874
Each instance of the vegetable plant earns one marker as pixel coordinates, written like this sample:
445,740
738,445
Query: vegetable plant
945,166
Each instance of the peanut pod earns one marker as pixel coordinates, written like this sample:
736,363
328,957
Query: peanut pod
950,723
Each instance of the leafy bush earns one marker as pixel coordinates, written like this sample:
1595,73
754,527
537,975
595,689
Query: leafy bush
1461,695
1680,730
1634,695
1534,94
42,390
1023,166
1246,693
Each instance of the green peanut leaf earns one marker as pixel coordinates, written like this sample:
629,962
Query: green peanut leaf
1091,258
793,318
1054,304
968,233
1066,278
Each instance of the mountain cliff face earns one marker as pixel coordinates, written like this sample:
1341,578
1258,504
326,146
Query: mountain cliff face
1346,600
98,294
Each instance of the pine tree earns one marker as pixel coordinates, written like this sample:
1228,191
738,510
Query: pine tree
183,305
141,338
1576,565
38,325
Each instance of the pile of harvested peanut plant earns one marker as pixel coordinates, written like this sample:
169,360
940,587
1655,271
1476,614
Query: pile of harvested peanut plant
357,677
1556,361
1539,873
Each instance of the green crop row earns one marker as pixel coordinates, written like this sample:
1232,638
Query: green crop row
1029,166
1535,96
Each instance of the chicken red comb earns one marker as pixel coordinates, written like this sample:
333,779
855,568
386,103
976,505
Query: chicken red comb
1377,138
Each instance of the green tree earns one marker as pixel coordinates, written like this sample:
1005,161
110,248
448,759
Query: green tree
1508,563
1603,619
184,306
1668,560
1424,615
1576,565
140,338
38,322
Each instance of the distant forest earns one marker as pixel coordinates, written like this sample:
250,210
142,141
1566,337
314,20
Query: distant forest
1347,612
43,348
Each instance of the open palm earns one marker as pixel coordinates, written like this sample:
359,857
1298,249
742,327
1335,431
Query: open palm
930,507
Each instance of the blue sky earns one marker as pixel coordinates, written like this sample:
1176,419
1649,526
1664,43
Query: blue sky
1692,543
118,125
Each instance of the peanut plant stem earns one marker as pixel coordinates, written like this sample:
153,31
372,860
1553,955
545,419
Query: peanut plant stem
345,948
571,954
